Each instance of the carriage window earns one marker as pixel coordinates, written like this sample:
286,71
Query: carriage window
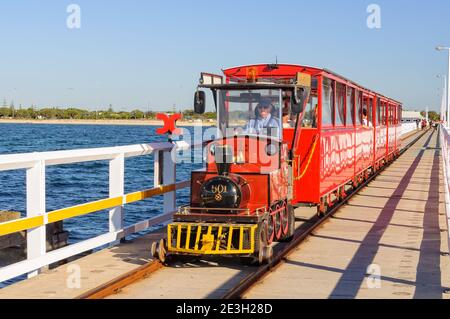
390,115
367,112
327,102
388,107
359,108
399,114
340,105
310,116
379,110
350,111
383,113
394,114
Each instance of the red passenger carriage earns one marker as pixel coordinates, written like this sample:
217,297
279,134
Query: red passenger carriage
326,133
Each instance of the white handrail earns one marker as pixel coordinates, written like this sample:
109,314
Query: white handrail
445,149
28,160
35,165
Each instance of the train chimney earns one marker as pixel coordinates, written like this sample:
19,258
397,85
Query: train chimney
223,159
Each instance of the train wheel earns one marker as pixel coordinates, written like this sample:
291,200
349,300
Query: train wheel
322,208
263,250
361,178
158,250
153,250
343,193
277,223
270,230
265,255
289,234
284,214
320,213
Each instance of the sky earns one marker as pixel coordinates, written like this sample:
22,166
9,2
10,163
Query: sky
149,53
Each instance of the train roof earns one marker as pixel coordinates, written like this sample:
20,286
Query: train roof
289,71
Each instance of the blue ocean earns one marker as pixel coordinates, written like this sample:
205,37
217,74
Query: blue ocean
69,185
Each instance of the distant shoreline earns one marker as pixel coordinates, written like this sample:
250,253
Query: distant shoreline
104,122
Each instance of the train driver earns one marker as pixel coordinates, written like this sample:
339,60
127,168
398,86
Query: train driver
264,120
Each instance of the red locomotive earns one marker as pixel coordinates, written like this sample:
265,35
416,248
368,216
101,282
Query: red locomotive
288,135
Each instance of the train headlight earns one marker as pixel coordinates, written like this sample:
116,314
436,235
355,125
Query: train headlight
271,149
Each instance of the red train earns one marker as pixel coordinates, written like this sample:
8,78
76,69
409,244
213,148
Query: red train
288,135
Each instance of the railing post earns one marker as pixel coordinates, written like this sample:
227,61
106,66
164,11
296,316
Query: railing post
36,237
157,168
169,177
116,188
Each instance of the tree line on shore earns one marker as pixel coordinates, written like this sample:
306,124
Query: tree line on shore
55,113
82,114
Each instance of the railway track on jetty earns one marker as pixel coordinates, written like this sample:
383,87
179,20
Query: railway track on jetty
253,275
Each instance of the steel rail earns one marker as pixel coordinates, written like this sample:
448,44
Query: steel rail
300,235
115,285
127,279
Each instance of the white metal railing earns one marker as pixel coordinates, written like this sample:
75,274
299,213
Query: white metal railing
37,217
445,151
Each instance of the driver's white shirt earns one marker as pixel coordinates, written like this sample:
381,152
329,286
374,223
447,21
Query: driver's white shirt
259,124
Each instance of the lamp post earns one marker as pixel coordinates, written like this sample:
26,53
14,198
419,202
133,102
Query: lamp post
442,48
444,98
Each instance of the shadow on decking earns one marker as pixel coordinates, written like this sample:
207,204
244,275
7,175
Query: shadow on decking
409,190
428,269
369,222
428,280
396,209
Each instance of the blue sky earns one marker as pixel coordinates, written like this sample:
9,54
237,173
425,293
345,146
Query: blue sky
134,53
